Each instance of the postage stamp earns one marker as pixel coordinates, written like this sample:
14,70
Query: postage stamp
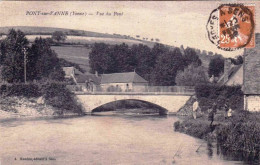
231,26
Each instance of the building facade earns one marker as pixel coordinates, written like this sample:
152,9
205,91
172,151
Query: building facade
123,82
251,82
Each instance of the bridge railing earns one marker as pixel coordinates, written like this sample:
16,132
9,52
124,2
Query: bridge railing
134,89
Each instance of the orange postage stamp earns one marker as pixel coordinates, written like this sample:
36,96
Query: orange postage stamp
231,26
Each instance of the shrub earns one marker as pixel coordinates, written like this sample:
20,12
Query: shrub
241,138
57,95
210,93
196,128
26,90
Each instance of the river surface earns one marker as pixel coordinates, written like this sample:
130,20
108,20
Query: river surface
102,139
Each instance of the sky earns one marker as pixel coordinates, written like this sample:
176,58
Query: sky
173,22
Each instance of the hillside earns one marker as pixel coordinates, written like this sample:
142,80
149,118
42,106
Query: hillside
34,30
73,50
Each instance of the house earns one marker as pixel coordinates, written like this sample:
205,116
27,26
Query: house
71,72
233,74
88,82
247,75
127,81
251,81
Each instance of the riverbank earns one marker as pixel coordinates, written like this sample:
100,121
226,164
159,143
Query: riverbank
21,107
238,135
37,100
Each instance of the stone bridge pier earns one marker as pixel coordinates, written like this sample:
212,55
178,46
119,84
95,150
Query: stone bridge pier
170,102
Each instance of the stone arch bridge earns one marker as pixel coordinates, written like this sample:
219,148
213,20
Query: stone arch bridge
171,102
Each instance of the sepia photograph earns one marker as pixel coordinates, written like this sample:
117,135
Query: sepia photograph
129,82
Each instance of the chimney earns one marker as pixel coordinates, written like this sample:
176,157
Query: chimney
96,73
227,67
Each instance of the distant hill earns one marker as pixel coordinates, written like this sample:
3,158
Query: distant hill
75,35
34,30
79,55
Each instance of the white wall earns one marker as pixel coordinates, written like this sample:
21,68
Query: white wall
252,103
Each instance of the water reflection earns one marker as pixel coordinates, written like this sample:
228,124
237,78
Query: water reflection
105,139
210,149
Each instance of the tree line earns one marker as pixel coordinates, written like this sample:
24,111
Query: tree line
41,62
159,64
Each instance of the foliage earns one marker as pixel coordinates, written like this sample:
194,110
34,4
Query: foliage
100,59
209,93
216,66
58,36
191,76
12,56
191,57
158,65
196,128
167,66
237,61
237,137
241,135
57,95
44,62
41,61
26,90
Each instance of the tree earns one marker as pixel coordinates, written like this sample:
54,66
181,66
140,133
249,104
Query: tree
166,68
100,59
144,60
216,66
237,61
44,62
12,56
190,57
125,60
191,76
58,36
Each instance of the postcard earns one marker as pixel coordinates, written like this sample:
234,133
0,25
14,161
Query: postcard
129,82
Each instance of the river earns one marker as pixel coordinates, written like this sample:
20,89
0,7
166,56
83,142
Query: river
102,139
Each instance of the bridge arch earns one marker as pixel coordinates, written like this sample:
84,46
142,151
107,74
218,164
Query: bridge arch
172,103
151,107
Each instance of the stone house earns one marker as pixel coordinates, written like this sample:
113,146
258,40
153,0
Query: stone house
233,74
88,82
247,75
251,78
127,81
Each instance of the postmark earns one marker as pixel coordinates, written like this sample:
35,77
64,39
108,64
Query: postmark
231,26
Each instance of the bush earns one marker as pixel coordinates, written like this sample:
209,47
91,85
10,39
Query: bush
57,95
196,128
240,137
26,90
208,94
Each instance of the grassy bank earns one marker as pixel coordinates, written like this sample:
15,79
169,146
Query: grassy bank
238,135
35,100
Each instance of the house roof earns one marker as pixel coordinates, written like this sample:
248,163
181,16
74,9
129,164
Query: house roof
71,71
252,69
126,77
68,71
232,71
83,78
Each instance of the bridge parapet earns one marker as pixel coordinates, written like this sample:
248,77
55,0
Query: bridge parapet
152,90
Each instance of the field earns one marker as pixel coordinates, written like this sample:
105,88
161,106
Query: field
74,50
90,40
75,54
